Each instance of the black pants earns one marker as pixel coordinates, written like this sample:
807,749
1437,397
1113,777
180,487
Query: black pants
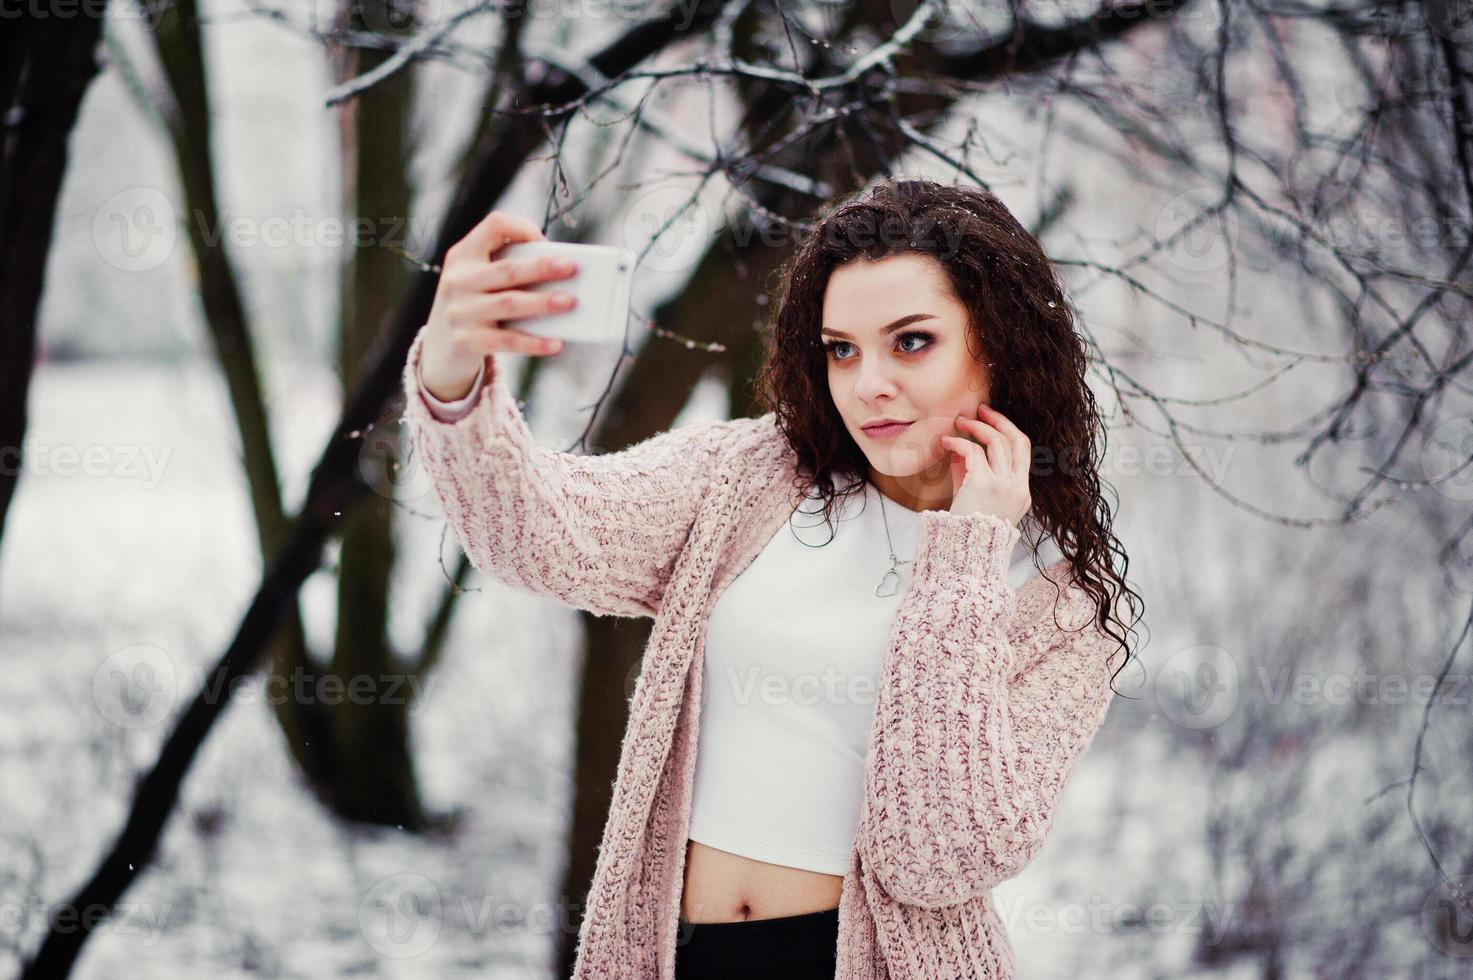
792,947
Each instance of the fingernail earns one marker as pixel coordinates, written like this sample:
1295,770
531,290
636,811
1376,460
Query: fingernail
562,299
564,265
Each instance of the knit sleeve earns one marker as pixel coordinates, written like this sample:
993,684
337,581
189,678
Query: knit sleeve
974,737
596,532
453,411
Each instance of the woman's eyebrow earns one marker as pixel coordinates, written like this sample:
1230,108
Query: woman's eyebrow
887,328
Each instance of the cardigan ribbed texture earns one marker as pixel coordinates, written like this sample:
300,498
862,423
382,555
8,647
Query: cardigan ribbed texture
984,706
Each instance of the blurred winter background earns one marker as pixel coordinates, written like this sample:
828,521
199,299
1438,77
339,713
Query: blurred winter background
1260,210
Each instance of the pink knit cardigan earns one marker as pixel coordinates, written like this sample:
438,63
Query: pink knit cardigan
984,708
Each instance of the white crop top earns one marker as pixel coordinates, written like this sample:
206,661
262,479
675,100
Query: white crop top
794,650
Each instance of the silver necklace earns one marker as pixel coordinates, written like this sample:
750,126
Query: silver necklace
895,562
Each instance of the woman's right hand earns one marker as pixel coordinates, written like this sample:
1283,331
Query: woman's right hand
476,293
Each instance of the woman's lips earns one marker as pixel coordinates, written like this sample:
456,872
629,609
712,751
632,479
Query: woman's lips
886,431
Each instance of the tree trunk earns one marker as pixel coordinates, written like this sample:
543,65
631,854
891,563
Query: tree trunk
46,65
187,114
374,778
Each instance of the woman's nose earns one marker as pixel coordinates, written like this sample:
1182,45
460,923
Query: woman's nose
872,383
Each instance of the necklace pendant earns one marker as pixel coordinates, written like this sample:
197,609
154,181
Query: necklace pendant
895,562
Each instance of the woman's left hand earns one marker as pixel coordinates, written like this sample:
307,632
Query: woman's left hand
991,478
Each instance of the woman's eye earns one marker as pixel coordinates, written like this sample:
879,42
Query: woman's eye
918,336
831,347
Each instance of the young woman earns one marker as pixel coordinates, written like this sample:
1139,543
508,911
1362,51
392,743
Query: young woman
884,610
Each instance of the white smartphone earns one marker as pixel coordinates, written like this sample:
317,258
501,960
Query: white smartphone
602,285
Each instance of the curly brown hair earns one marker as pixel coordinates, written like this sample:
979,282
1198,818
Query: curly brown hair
1020,322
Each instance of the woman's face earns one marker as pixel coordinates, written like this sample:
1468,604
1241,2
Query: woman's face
896,344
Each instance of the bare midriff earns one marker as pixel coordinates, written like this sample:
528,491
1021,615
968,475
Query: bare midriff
724,887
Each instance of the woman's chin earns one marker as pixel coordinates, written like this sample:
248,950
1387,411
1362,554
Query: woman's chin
919,477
